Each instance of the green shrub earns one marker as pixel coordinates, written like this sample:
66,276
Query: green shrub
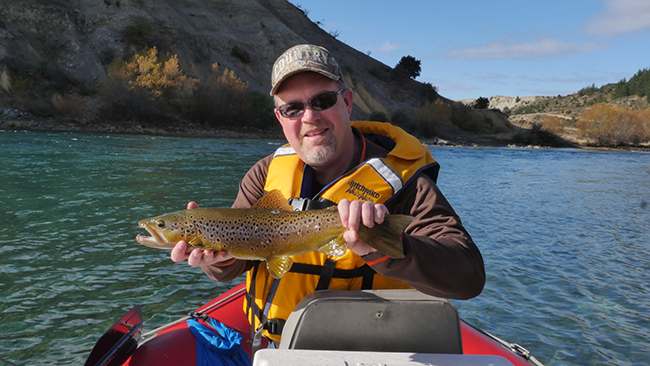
261,113
121,102
589,90
464,119
429,117
223,100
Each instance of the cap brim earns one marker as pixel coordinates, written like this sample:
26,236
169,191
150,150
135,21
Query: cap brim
275,88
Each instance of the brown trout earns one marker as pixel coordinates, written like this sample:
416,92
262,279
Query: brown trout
270,231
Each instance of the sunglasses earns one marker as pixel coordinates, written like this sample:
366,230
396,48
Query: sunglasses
318,103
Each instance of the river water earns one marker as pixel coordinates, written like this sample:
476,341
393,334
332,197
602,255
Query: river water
565,235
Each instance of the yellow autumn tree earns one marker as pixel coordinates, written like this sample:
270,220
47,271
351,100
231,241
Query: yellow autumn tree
159,78
228,78
608,125
147,87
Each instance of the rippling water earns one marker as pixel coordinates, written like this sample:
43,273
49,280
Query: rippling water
565,235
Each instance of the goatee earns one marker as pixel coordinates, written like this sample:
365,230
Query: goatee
319,154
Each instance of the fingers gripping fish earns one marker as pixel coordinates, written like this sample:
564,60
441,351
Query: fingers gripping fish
269,231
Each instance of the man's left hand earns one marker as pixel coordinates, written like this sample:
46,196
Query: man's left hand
356,213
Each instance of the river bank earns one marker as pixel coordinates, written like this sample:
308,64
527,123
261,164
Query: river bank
183,128
18,121
15,120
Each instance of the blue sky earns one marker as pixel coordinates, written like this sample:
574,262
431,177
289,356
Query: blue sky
471,49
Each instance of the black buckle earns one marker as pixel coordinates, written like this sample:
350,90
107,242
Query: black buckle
274,326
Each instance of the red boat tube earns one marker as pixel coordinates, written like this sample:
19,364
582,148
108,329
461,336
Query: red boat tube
176,345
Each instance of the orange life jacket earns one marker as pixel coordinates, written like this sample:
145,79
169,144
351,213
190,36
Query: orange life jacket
377,179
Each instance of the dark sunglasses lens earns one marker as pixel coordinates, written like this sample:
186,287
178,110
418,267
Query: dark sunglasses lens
324,101
320,102
291,110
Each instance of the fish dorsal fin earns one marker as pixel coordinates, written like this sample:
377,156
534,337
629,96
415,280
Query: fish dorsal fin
278,266
274,200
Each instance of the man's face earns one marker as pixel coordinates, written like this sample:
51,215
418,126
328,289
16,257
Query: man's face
320,138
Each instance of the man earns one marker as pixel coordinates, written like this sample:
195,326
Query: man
369,170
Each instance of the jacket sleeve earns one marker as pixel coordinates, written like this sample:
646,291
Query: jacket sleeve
440,257
251,189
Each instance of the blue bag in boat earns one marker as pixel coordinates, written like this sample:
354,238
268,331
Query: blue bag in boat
219,346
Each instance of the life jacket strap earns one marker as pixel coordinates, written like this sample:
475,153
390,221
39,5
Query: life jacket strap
364,271
326,274
273,326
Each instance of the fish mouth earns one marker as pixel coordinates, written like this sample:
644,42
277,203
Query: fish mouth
155,240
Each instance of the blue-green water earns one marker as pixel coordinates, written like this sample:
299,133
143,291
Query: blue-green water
565,235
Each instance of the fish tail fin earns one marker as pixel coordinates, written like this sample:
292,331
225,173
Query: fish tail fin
387,237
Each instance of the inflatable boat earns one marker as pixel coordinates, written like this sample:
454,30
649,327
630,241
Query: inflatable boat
379,327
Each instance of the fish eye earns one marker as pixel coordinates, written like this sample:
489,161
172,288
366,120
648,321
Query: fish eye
161,223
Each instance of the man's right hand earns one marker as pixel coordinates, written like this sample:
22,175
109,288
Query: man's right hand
197,257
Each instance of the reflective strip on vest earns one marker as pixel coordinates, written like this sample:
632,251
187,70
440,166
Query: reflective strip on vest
394,180
283,151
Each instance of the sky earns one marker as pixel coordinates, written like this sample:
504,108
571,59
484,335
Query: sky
471,49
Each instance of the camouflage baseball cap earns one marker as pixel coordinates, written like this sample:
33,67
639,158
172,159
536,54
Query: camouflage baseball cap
300,58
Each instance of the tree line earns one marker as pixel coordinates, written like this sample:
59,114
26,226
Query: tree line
639,85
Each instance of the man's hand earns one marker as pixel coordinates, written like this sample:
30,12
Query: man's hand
356,213
197,257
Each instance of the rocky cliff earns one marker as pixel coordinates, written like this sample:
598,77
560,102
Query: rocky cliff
61,47
74,41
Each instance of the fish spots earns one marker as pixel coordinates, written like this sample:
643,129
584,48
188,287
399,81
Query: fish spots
253,233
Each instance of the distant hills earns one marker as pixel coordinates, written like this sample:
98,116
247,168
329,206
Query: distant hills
526,111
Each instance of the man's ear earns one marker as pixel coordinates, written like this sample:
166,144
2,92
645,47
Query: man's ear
348,97
277,115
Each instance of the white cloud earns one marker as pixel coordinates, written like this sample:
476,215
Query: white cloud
620,16
387,46
511,48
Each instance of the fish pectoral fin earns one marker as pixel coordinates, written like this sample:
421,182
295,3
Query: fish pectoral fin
335,248
278,266
196,242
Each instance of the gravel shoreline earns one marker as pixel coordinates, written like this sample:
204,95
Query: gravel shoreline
133,128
